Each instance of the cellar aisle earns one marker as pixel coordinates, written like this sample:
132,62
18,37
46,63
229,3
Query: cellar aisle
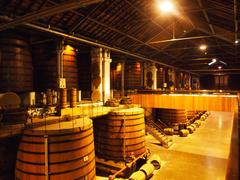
202,155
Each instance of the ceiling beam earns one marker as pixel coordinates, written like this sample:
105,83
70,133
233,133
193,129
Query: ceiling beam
180,39
206,17
119,32
215,70
62,7
236,19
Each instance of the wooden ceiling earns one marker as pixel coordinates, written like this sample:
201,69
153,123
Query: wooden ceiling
138,27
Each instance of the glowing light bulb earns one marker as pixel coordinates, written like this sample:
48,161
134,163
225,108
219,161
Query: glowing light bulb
203,47
166,6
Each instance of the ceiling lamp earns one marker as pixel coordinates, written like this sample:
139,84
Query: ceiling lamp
166,6
219,67
236,42
212,62
203,47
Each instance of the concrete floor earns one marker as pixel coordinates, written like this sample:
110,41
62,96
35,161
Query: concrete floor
202,155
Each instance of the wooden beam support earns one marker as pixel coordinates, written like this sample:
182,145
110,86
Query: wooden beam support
59,8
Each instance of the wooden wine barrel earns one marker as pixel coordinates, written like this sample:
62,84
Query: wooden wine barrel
148,169
121,134
172,116
191,114
138,175
183,133
70,67
46,68
73,97
61,151
16,70
63,98
133,75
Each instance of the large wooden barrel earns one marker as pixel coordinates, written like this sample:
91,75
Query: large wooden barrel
16,71
46,68
121,134
61,151
8,153
191,114
63,98
133,75
172,117
73,97
70,67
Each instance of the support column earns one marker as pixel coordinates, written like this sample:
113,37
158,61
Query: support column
96,74
106,94
154,76
145,69
61,82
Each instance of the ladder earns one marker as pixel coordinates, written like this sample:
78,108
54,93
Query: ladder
157,132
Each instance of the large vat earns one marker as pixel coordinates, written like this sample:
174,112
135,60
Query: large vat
16,71
46,67
133,75
59,151
172,117
121,134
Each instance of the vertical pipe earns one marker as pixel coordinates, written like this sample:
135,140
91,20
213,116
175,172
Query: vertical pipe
122,78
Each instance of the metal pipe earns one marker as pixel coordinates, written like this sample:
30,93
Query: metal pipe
214,70
236,20
62,7
180,39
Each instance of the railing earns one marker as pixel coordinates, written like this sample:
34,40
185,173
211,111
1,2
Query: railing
209,92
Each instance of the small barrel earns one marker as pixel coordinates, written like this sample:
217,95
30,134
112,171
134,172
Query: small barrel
155,160
121,134
194,126
138,175
147,169
190,129
197,123
57,151
73,98
63,98
168,131
182,126
183,133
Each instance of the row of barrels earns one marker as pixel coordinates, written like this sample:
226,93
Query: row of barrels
24,68
67,149
184,129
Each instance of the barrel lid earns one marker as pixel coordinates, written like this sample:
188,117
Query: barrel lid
9,100
75,125
128,111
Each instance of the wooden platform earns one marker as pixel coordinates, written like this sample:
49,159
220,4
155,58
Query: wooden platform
226,103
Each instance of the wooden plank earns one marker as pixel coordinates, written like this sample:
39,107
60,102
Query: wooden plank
186,101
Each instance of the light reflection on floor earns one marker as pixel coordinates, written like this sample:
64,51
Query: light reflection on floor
202,155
